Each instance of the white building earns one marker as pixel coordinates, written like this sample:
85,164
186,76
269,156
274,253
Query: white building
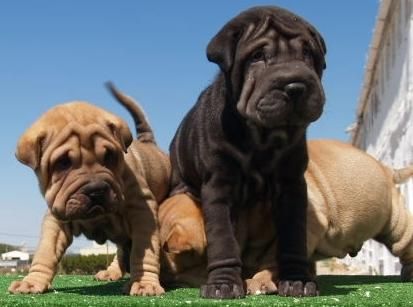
98,249
384,126
15,255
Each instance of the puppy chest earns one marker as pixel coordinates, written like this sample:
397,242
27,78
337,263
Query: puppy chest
111,228
257,181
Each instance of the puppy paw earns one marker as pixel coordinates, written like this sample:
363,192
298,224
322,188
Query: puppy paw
297,288
143,288
28,287
257,286
263,282
222,291
407,272
108,275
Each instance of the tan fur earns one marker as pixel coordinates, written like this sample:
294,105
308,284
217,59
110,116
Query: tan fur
352,198
139,180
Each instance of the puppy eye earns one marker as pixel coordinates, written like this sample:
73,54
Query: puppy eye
257,56
62,164
307,54
110,158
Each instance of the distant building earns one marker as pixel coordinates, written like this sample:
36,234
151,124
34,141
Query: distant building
15,255
384,126
98,249
14,260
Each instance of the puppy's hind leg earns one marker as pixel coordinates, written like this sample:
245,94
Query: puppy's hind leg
398,235
116,270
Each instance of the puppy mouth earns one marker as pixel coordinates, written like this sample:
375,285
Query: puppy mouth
267,108
80,207
271,111
277,109
91,200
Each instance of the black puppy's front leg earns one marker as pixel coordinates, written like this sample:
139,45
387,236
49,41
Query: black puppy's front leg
290,208
294,268
224,263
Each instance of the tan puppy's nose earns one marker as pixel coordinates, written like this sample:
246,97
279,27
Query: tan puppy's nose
97,192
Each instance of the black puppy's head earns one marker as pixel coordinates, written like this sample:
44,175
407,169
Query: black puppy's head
273,61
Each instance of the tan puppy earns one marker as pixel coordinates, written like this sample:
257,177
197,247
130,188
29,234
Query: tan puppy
98,182
352,198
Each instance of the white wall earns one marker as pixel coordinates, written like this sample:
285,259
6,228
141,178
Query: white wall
386,126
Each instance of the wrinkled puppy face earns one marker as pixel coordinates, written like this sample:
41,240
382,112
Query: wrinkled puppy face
273,61
76,150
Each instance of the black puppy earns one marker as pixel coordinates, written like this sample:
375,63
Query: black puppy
244,142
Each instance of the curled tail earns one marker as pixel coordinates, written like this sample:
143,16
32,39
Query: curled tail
143,129
403,174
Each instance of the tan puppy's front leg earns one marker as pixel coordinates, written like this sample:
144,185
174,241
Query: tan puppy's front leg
54,239
263,282
144,256
115,271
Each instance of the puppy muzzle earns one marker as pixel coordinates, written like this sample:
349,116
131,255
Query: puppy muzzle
89,201
283,95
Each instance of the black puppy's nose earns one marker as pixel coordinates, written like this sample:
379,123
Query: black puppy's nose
295,90
96,191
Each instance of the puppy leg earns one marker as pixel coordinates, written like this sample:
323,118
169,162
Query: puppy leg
54,239
294,265
115,271
398,235
144,255
263,282
223,252
290,213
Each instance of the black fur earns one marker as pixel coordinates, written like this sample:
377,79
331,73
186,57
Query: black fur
233,149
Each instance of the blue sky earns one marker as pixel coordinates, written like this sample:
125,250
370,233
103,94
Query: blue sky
56,51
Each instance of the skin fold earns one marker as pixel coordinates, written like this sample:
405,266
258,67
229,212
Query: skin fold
99,182
352,197
244,143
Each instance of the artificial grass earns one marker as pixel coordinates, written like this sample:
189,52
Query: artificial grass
76,290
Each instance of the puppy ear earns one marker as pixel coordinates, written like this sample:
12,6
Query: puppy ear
121,132
29,149
221,49
321,50
177,241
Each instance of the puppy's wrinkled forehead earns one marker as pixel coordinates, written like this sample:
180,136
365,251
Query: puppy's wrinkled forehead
79,119
254,23
76,119
282,18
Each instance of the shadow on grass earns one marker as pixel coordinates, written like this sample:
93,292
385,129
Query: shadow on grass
113,288
331,285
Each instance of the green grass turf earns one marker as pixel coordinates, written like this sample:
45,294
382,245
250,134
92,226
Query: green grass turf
75,290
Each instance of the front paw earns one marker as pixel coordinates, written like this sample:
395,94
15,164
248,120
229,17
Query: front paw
258,287
297,288
222,291
144,288
108,275
28,287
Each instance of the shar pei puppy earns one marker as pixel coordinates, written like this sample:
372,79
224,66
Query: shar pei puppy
99,182
244,142
352,197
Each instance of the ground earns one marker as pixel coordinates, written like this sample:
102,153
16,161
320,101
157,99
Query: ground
75,290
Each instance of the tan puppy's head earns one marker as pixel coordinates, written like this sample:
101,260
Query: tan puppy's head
76,150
